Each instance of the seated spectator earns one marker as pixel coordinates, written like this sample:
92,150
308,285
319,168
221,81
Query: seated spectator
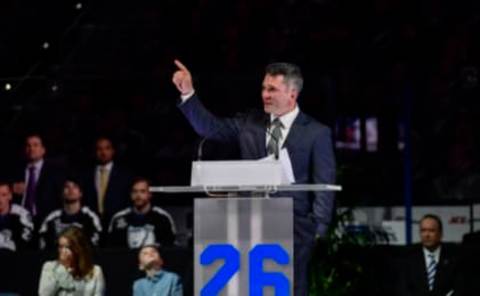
142,224
431,269
73,273
72,214
38,181
157,281
16,225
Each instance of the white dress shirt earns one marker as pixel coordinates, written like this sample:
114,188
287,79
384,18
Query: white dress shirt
38,168
287,122
436,256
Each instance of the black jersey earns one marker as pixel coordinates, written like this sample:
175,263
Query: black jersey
16,229
132,230
58,220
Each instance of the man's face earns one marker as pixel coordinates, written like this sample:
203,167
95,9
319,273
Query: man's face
149,258
278,97
71,192
5,198
430,233
104,151
34,149
140,194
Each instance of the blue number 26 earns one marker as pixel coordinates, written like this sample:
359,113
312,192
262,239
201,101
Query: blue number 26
257,277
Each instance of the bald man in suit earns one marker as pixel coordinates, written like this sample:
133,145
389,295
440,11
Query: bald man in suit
431,269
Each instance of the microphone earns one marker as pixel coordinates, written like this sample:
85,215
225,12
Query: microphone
200,148
275,139
223,125
204,139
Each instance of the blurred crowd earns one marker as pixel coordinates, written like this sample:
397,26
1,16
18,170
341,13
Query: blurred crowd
42,199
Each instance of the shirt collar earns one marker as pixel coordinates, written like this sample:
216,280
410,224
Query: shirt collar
436,253
37,164
156,276
108,166
287,118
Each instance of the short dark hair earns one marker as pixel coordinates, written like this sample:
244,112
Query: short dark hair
155,246
35,135
105,138
433,217
7,184
290,72
140,180
74,178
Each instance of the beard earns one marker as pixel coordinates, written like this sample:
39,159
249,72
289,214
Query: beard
70,201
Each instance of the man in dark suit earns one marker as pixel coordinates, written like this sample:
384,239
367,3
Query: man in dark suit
431,269
38,183
107,184
282,124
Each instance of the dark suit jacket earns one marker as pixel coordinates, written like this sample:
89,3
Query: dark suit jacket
309,146
117,196
414,279
49,189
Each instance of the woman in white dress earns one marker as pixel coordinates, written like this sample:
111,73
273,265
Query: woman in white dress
73,273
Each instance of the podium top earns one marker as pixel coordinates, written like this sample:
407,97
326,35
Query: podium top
246,188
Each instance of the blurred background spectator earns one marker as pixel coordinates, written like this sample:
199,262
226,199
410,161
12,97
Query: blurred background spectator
72,213
142,223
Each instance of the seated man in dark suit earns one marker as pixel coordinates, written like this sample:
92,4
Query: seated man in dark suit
39,182
107,184
431,269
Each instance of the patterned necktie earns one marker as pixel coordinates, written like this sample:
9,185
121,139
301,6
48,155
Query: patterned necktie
102,189
30,198
431,270
275,137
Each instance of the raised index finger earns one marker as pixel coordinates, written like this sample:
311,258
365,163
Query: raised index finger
180,65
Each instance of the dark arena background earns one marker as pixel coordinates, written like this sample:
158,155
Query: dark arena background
396,81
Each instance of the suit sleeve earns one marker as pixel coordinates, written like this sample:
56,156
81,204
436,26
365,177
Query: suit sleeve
208,125
323,171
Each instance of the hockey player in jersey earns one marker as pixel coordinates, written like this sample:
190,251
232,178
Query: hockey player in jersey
142,224
16,224
72,214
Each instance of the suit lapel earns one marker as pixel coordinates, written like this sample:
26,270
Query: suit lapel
259,134
443,264
261,140
111,179
296,132
293,139
422,270
41,176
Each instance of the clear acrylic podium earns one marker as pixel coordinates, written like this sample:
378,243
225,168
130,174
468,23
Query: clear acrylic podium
241,221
